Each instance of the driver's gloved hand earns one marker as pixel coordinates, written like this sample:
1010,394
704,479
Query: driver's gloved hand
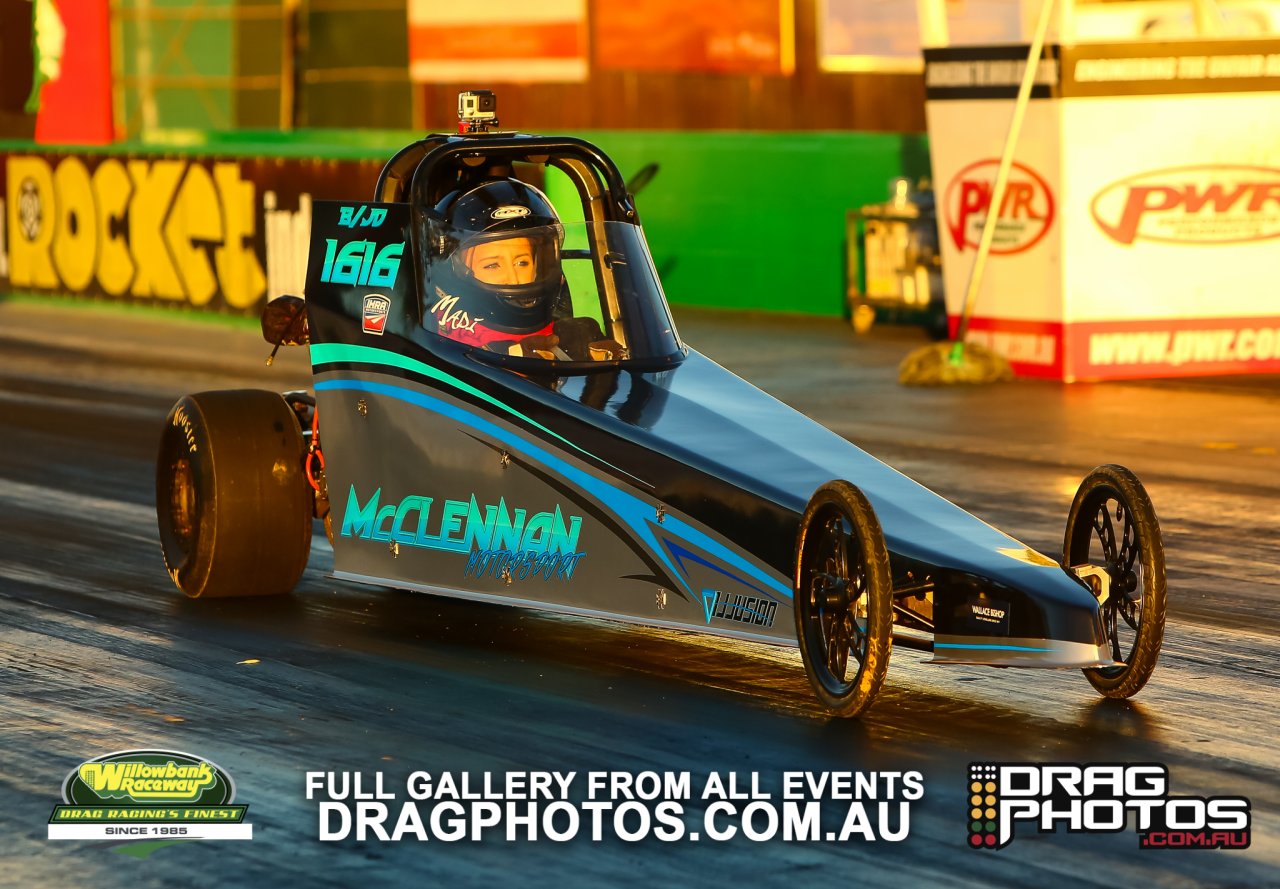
544,347
576,336
607,350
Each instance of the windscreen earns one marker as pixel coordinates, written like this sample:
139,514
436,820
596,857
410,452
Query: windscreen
579,294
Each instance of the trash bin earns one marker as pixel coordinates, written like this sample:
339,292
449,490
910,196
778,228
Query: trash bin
896,246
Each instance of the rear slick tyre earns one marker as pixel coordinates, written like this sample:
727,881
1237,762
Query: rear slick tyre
1112,524
843,598
232,500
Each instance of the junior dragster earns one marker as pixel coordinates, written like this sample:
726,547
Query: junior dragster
504,412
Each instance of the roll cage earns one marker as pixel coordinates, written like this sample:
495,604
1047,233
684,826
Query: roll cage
424,172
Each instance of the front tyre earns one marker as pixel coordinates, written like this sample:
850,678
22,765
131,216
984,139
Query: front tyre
843,598
1113,525
232,499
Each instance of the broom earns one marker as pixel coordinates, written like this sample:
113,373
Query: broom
940,364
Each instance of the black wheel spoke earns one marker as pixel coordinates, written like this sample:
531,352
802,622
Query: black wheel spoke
1113,631
859,640
858,606
1131,611
1106,534
1121,554
836,657
842,548
1129,546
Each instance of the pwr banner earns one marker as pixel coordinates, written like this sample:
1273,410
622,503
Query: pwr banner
1139,235
496,41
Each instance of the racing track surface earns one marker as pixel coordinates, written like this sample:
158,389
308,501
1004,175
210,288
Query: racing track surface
100,652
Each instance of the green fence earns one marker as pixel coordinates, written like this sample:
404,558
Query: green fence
757,220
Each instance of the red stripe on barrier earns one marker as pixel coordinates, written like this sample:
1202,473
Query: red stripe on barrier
1137,349
1034,348
539,40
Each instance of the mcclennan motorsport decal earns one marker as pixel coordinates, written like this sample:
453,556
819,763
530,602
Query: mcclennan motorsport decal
151,795
499,542
1204,204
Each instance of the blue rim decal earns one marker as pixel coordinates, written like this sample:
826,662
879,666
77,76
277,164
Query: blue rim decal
633,511
993,647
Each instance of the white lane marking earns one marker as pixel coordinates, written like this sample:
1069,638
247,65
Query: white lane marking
69,402
34,576
51,501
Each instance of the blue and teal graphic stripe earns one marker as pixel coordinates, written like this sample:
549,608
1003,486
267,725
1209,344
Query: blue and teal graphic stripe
631,510
329,353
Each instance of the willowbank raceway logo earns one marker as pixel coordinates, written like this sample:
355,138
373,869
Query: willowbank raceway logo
149,795
1098,798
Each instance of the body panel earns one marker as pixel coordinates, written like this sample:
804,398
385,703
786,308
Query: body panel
667,496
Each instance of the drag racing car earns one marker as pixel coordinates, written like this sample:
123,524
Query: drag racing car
503,411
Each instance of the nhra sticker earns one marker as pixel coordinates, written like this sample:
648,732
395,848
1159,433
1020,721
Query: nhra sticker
1207,204
1098,798
376,307
1026,211
149,795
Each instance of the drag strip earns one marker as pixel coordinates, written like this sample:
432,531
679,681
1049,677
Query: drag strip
99,651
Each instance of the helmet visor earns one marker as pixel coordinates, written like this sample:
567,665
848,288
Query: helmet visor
516,266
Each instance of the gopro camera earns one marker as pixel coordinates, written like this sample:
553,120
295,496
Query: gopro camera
477,111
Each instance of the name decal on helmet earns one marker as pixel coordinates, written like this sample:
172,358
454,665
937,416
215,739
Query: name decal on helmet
510,211
362,263
447,316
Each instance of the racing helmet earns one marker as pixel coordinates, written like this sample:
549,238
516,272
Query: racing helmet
495,247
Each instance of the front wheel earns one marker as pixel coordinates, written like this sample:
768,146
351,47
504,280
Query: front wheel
232,500
1113,525
843,598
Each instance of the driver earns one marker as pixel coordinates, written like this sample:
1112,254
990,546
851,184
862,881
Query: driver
495,270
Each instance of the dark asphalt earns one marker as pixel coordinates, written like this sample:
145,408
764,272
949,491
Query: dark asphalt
99,652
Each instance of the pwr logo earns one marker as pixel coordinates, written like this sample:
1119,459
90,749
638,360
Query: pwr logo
1207,204
1098,798
1026,212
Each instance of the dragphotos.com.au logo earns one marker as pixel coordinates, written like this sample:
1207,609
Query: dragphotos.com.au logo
1098,798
